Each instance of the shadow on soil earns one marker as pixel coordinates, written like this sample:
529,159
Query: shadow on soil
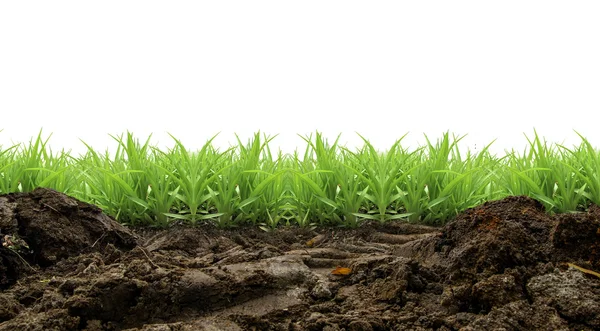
64,265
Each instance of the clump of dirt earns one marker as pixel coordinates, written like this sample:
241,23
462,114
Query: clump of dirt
506,264
44,226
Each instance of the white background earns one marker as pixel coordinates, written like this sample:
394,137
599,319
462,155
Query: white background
488,69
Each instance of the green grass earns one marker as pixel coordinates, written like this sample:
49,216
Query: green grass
324,185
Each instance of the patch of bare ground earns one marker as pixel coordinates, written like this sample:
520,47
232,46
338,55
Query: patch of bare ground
506,264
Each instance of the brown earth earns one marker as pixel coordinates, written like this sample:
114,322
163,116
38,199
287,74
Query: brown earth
500,266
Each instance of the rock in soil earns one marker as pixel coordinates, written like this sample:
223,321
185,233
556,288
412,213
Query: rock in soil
507,264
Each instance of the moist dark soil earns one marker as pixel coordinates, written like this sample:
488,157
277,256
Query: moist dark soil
504,265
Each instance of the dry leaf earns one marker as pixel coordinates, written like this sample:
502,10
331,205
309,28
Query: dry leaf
341,271
315,241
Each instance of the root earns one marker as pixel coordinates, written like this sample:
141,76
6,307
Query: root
399,239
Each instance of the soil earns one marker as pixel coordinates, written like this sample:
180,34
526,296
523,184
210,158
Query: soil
504,265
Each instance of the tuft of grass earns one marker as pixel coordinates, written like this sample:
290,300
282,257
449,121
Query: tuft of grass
553,174
25,167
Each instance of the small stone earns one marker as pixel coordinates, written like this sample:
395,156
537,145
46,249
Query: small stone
321,291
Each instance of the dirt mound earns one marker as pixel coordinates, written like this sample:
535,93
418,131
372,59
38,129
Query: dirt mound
503,265
46,226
